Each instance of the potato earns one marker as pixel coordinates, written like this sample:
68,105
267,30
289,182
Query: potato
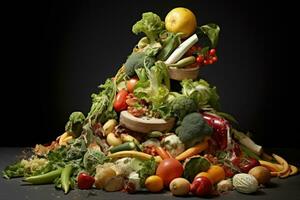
179,187
262,174
113,140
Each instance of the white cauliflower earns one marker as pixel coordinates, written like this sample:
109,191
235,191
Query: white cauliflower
173,144
123,166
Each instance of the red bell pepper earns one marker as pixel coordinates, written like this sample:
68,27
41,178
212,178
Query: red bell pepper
220,127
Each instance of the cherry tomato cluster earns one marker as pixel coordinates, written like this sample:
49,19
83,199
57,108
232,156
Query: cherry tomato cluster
208,58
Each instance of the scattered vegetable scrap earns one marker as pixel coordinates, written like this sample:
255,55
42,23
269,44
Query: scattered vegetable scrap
199,152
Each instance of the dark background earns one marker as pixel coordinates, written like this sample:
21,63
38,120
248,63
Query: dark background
62,50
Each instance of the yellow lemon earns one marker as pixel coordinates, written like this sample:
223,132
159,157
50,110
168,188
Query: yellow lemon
181,20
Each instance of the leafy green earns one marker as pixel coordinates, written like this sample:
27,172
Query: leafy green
102,106
75,123
182,105
169,45
137,60
150,24
201,92
210,31
14,170
153,86
92,158
148,168
193,129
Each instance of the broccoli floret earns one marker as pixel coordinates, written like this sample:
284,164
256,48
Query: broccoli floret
150,24
193,129
137,60
183,105
75,123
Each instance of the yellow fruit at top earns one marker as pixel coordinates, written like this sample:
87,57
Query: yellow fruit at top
181,20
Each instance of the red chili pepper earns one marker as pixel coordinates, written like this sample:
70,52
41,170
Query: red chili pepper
201,186
220,127
85,181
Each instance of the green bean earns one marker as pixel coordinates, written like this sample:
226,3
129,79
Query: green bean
65,178
183,62
44,178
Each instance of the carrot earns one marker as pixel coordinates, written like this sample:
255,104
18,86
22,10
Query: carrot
162,153
193,150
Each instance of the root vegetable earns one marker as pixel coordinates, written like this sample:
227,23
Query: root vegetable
261,174
224,185
113,140
180,187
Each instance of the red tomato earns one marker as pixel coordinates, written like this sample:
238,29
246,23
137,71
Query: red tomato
169,169
120,101
85,181
212,52
130,84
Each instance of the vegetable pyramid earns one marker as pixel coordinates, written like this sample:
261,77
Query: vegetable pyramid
156,125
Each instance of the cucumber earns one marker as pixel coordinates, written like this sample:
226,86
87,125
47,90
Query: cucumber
123,147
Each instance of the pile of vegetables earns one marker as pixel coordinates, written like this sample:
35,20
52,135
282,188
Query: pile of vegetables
203,154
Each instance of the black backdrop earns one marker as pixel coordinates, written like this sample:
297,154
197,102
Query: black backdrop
62,50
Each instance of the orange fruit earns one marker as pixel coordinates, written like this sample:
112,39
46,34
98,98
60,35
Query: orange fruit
154,183
217,173
181,20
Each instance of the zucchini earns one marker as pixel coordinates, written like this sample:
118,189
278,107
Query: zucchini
123,147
